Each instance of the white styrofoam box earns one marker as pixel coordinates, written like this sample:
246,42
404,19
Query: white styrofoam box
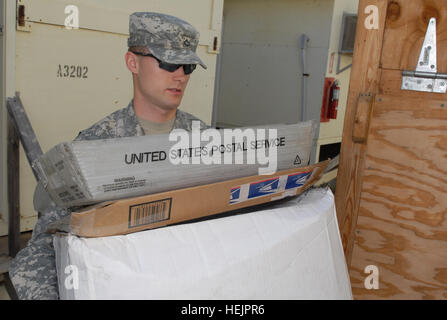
84,172
290,250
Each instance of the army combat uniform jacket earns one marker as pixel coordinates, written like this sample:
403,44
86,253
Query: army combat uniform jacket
33,270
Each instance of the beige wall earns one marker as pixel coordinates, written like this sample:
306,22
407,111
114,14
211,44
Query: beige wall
331,132
59,107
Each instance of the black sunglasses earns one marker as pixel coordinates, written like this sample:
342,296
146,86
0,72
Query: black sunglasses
171,67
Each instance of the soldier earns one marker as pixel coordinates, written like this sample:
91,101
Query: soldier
161,56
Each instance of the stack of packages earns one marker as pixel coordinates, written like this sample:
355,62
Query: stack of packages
138,183
132,184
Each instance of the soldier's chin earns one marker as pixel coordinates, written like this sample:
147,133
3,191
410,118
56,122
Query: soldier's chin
171,106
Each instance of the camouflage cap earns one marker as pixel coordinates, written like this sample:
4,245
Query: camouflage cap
168,38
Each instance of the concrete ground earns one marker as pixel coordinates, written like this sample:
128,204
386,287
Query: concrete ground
3,294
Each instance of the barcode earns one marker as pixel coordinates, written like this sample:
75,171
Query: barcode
149,212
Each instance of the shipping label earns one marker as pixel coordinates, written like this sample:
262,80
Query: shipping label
150,212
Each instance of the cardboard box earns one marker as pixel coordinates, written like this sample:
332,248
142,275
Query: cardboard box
85,172
166,208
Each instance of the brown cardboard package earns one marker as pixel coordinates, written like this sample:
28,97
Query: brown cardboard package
166,208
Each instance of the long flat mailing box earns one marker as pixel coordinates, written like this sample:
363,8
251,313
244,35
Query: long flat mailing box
166,208
86,172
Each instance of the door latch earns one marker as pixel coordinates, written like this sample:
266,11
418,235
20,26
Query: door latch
426,78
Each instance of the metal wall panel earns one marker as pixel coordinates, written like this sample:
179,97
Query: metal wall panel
261,66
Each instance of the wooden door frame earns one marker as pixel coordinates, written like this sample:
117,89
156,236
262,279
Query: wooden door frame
365,75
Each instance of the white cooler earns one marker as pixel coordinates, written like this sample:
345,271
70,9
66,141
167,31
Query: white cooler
288,251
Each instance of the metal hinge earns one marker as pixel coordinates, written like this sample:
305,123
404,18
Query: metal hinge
426,78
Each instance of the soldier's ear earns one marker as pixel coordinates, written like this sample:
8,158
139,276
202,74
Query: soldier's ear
131,60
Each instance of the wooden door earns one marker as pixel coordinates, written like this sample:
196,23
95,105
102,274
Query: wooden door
391,193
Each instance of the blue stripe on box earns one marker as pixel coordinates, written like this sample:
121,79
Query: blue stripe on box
263,188
297,180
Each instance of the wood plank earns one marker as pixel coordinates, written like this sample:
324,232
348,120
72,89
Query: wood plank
406,25
402,222
25,131
364,79
362,116
10,288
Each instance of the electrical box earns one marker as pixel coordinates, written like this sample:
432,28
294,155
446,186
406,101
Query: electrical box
66,60
347,35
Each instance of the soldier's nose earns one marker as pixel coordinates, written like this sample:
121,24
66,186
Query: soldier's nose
180,75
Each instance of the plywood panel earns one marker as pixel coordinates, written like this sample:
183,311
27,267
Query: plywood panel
402,223
392,188
406,25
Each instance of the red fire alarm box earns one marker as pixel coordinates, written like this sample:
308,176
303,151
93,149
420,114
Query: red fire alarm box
331,95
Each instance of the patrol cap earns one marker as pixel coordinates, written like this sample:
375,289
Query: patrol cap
168,38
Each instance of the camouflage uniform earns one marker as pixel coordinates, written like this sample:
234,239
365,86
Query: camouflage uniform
33,270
